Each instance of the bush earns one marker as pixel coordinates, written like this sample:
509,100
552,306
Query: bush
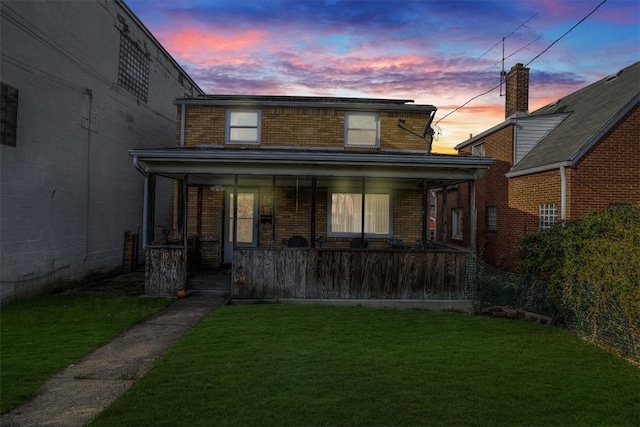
591,269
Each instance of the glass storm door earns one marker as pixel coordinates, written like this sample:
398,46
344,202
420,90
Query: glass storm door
247,221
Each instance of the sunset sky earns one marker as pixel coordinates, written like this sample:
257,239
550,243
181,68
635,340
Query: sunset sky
436,52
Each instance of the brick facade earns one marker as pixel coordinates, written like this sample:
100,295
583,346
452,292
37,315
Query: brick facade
291,212
608,174
298,127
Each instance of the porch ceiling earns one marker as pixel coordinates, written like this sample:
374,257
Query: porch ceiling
204,165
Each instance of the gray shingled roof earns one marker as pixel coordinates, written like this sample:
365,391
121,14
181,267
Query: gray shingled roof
593,110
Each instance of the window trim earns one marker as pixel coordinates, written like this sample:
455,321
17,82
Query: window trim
332,191
457,224
347,128
228,127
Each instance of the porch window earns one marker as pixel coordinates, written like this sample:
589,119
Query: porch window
362,129
243,127
456,224
346,214
548,215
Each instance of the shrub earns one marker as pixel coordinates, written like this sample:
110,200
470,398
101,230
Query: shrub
591,269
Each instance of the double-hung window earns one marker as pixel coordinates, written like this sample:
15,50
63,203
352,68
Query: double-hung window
243,127
548,215
362,129
346,216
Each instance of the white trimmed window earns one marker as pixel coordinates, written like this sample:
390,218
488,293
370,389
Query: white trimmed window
548,215
345,214
362,129
478,150
243,127
492,218
456,224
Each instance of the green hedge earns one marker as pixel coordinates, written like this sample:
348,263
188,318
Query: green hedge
592,270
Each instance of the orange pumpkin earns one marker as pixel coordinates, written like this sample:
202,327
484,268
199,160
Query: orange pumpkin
181,293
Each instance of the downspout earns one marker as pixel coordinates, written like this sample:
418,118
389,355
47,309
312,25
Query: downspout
563,193
183,115
145,201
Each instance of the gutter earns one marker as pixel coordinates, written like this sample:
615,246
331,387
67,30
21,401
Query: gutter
538,169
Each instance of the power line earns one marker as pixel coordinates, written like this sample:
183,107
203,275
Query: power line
508,35
536,57
570,29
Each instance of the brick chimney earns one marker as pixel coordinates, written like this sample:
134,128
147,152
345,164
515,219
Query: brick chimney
517,99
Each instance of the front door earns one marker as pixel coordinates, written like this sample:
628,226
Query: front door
247,221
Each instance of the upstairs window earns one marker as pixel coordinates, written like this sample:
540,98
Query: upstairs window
243,127
133,70
9,113
478,150
548,215
362,129
346,214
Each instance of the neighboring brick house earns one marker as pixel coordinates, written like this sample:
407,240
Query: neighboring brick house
577,155
82,83
300,167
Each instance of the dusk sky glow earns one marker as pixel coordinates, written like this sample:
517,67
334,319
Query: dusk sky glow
434,52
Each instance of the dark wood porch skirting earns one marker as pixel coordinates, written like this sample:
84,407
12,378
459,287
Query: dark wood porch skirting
341,275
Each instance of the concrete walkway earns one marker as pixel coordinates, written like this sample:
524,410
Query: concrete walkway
79,393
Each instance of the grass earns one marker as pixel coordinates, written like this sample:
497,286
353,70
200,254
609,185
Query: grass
41,336
318,365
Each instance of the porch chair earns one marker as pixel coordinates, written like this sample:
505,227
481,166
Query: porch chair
359,243
297,242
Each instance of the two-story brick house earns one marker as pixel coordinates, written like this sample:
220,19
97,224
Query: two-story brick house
316,180
577,155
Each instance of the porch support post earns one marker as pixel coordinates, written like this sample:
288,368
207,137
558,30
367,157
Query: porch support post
150,207
314,188
273,211
185,205
234,200
473,216
362,212
444,214
425,212
199,224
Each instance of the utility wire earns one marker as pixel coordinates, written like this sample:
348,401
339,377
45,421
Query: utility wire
568,31
536,57
508,35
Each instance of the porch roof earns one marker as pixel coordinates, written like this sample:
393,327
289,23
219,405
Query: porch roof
200,163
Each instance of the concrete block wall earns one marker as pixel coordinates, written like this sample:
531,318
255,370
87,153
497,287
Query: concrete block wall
69,190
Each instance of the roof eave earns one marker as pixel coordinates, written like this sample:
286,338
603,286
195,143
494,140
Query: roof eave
253,103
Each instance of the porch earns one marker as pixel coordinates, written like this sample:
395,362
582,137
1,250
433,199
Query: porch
309,226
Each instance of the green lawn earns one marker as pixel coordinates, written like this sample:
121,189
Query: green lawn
41,336
304,365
